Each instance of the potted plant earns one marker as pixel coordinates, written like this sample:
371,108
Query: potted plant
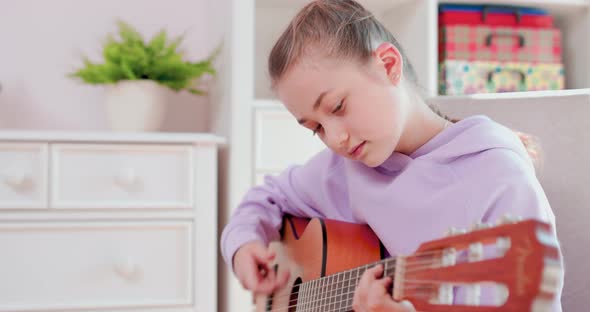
137,75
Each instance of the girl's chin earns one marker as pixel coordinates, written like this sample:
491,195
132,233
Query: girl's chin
375,159
371,161
372,164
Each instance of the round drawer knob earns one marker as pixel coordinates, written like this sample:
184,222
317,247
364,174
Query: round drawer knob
127,178
128,269
17,180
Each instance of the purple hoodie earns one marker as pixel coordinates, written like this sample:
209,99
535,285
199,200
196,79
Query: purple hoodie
476,170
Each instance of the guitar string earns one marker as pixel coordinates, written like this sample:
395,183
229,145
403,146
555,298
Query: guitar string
304,306
294,301
314,288
391,264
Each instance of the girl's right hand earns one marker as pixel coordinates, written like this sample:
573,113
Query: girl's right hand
252,267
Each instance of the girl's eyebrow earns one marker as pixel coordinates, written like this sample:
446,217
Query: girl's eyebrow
316,105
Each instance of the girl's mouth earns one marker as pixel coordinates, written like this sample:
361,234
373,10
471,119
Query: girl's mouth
357,150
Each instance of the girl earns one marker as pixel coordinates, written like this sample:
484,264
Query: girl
393,162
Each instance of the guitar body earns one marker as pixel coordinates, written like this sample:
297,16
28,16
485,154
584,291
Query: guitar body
315,248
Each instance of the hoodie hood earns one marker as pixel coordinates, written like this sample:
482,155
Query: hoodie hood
466,137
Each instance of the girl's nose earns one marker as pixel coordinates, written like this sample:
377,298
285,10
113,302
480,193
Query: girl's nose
343,138
339,139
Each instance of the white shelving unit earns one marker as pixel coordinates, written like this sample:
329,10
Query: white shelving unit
415,25
256,24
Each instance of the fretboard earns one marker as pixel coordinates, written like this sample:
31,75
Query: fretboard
335,292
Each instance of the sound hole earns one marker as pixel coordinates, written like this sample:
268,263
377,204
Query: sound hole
294,295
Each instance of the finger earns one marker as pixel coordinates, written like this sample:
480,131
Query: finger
273,283
360,294
380,285
263,261
378,290
263,255
250,279
377,271
379,299
388,304
283,278
371,274
364,281
265,287
275,279
255,273
408,306
384,283
388,284
362,288
266,283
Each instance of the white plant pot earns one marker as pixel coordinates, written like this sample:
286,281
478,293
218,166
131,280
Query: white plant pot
135,105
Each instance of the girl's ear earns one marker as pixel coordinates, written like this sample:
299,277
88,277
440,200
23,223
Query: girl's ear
390,58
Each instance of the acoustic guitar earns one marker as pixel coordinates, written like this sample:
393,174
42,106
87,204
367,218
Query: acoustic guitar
509,267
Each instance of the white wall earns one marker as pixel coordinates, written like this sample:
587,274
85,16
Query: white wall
42,41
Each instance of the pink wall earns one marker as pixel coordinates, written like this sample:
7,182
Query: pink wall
42,41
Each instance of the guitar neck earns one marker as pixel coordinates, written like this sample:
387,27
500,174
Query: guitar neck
335,292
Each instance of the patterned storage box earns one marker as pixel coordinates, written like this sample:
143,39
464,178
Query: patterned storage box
499,43
464,77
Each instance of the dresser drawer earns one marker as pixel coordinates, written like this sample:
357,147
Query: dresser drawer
121,176
23,175
280,141
95,265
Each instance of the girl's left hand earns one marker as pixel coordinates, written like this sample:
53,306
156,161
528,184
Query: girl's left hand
371,294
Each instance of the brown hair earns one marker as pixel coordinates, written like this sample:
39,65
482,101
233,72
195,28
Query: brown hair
343,29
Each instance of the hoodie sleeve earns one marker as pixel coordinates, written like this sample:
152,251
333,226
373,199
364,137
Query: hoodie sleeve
510,187
259,215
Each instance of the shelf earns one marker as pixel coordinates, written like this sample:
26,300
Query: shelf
371,5
555,7
269,103
517,95
110,137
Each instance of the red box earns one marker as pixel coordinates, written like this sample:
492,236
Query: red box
451,14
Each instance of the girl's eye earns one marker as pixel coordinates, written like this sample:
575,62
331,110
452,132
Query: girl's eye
338,107
317,129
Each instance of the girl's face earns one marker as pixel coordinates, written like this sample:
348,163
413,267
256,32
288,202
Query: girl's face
358,111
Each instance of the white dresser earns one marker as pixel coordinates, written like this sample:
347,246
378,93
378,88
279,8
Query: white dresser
108,222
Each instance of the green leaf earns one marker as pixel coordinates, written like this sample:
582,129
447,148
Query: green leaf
129,57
